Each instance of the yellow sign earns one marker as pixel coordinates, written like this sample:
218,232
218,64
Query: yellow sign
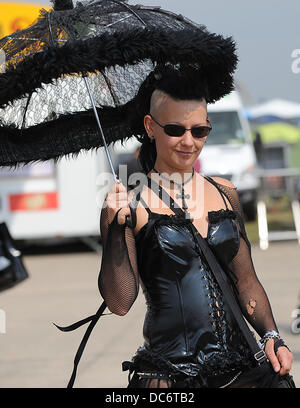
17,16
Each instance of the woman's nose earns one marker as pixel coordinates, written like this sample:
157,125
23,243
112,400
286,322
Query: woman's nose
187,138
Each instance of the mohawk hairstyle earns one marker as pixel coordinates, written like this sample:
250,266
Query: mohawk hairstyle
180,82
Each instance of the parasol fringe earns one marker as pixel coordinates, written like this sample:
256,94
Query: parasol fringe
211,52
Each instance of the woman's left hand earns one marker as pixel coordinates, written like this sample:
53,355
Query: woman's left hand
282,360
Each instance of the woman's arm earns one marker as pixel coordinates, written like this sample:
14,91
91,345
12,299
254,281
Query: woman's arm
252,297
118,278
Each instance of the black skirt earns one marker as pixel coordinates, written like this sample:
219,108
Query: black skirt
149,370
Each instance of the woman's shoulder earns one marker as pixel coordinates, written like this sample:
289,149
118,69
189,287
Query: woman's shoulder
223,182
228,189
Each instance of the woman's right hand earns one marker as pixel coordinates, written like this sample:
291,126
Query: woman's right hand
117,198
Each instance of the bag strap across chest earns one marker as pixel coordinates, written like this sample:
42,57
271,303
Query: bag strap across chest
168,200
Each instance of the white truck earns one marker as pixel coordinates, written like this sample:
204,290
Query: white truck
229,151
46,201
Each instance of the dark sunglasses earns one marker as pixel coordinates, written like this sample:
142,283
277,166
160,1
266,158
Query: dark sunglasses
177,130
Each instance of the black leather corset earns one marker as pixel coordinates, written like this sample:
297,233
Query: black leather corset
186,315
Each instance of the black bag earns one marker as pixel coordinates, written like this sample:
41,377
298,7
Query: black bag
286,381
12,269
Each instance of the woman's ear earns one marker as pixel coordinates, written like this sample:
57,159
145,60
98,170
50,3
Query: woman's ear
148,125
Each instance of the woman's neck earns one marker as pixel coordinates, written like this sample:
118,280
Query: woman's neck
177,175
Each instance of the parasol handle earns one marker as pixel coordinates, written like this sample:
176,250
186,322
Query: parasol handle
100,129
130,222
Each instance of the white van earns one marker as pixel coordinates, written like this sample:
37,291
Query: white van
50,201
229,150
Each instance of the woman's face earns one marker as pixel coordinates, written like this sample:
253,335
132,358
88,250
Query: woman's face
170,150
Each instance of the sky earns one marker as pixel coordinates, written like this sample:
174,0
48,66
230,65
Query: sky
267,33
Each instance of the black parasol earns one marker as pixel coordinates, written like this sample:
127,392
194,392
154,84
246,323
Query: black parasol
75,64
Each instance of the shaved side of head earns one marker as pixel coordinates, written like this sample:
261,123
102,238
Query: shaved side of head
158,99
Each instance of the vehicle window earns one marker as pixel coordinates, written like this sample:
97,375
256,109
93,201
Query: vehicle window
226,128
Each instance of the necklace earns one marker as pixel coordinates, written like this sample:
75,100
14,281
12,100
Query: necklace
182,195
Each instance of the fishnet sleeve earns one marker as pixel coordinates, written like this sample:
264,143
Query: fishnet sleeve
118,277
251,295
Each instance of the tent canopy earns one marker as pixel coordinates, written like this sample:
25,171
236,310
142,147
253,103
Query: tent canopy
279,108
278,132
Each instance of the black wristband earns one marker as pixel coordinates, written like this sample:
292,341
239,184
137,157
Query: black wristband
279,343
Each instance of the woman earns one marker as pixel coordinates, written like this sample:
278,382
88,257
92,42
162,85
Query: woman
191,337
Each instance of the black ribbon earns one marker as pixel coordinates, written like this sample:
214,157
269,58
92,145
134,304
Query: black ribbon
93,319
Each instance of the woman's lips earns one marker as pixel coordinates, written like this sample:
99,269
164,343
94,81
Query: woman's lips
184,154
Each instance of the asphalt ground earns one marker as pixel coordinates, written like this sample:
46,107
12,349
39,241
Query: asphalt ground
62,288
